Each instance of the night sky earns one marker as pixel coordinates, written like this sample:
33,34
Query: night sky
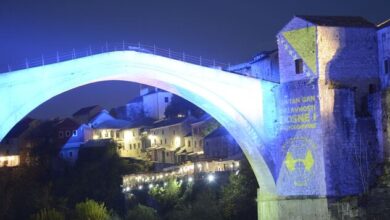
226,30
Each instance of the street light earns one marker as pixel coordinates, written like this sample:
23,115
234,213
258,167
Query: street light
210,178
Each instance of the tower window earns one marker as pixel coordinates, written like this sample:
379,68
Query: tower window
166,99
387,66
298,66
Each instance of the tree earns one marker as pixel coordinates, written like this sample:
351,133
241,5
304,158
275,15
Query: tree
91,210
48,214
239,196
167,196
141,212
97,175
204,206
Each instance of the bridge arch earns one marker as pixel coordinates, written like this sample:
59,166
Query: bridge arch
235,101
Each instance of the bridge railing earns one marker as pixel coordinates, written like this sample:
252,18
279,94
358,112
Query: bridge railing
110,47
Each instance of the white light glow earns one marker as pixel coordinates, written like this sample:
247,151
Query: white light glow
210,178
177,141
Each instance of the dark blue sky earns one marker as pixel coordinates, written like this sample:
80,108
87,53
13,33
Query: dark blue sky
226,30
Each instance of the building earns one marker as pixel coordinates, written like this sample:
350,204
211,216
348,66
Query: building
264,66
155,101
219,144
14,149
167,139
194,141
329,97
151,103
84,115
135,140
71,135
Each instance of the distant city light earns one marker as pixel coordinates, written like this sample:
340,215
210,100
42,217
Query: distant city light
211,178
165,183
150,186
190,179
140,187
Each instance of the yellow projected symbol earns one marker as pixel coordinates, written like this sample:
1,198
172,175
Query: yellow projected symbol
308,161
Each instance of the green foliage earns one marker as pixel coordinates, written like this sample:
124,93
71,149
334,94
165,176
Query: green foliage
179,105
96,175
203,206
141,212
48,214
167,196
91,210
239,196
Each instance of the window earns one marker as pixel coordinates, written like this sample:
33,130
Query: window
160,141
74,133
70,154
189,143
200,143
166,99
174,132
61,134
165,141
67,133
195,143
139,145
371,88
298,66
162,131
387,66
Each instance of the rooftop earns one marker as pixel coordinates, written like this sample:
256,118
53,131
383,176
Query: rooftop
219,132
338,21
172,121
85,110
384,24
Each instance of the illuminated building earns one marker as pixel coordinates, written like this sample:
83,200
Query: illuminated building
167,138
219,144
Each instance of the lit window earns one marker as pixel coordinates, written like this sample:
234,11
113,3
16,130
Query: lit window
298,66
74,133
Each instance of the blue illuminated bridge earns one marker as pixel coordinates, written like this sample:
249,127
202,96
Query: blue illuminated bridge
244,106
